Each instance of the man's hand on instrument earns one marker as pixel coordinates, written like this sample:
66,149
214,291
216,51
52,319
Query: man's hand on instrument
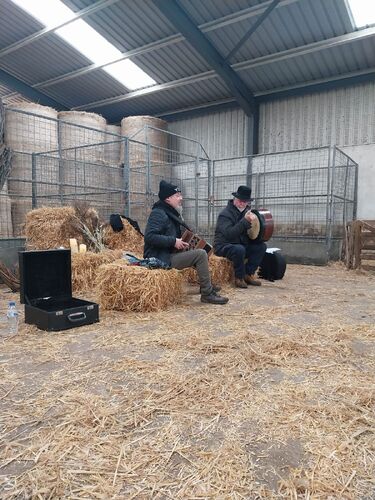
249,216
181,245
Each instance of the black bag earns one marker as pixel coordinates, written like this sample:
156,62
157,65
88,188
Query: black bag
117,225
273,266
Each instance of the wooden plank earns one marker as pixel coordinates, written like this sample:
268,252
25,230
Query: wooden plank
368,245
367,256
369,227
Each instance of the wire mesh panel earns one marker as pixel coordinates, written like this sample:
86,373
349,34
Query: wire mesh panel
310,192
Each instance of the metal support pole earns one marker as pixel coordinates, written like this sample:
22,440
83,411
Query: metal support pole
126,174
148,171
345,193
355,207
209,197
330,186
196,186
249,171
34,202
61,163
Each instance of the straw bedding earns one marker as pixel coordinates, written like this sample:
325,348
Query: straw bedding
128,239
221,271
270,397
85,268
133,288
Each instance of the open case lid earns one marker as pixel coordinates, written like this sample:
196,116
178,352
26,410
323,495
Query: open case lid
45,273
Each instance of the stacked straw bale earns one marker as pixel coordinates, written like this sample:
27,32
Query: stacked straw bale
26,134
85,268
221,271
128,239
48,228
131,288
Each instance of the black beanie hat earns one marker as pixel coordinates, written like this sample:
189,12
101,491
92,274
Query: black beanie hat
166,190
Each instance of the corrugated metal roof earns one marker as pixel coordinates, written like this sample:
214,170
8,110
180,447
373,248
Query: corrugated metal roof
286,27
134,25
176,98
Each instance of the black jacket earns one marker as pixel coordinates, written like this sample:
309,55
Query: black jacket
231,227
161,232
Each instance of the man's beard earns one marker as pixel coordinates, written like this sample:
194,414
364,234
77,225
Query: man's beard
179,209
241,209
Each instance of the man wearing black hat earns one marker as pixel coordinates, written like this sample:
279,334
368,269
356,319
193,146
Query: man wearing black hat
163,241
231,239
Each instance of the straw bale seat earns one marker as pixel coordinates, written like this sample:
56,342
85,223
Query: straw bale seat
123,287
221,271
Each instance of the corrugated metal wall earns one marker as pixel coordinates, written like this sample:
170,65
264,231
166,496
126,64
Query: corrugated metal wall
342,117
222,134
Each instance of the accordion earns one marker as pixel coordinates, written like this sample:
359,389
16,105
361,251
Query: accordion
195,242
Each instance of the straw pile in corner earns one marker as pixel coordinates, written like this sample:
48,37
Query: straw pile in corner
132,288
85,268
221,271
127,239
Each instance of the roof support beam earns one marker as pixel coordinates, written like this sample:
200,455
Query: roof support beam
236,17
29,92
101,4
252,29
181,20
321,85
254,63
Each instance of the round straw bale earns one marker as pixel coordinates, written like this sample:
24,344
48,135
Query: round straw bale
221,271
85,267
127,239
133,288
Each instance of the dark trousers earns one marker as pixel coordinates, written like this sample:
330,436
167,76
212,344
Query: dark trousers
252,253
198,259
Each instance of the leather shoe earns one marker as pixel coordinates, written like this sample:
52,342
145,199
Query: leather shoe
240,283
251,280
214,298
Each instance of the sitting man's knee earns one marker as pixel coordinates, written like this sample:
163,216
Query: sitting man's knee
239,250
201,254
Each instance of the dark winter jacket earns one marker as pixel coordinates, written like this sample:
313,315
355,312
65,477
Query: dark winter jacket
161,232
231,227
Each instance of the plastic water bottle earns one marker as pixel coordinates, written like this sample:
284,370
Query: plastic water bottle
12,317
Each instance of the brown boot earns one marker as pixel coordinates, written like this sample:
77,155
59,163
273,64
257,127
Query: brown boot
240,283
251,280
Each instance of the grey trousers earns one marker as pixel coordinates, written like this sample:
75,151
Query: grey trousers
198,259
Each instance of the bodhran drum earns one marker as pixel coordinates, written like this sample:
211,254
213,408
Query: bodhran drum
261,227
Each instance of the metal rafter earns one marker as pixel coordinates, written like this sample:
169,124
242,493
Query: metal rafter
320,85
252,29
170,40
184,24
101,4
260,61
27,91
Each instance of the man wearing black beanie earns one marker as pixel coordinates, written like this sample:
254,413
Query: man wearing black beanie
163,241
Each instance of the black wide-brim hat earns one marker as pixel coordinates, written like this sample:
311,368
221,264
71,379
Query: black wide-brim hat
243,193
